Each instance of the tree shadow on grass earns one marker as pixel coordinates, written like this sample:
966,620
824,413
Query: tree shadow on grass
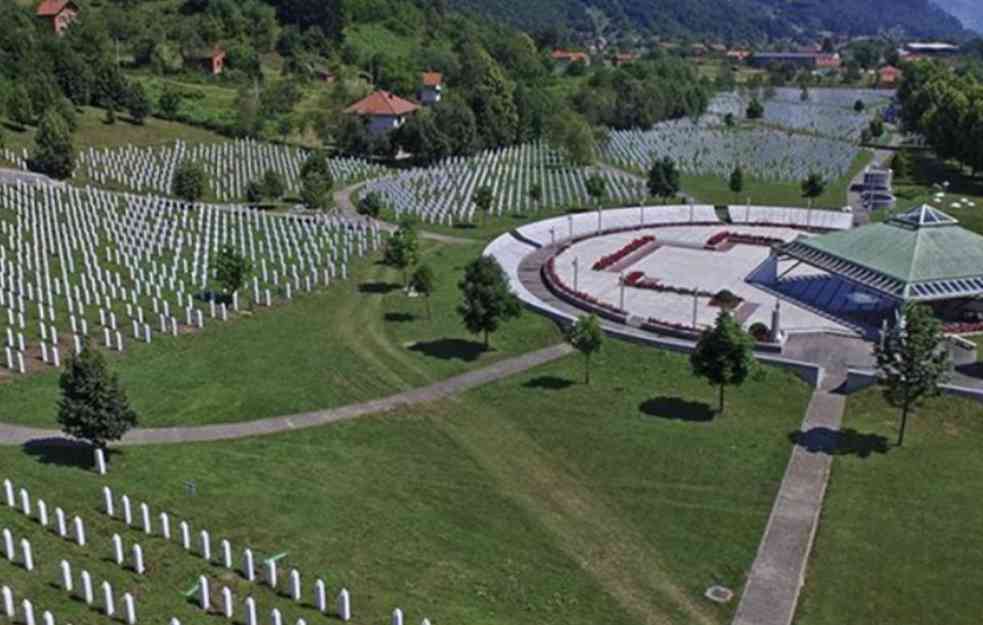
450,349
399,317
677,409
378,288
63,452
549,383
849,442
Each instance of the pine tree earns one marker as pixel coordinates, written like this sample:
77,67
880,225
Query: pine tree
93,405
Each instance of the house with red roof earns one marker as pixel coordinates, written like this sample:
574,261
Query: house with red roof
60,13
888,76
566,58
431,88
383,111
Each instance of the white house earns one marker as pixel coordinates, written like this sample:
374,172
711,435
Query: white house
431,86
383,111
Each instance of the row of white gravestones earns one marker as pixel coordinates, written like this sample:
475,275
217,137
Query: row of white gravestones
27,615
86,592
204,550
136,563
227,607
10,551
58,225
77,530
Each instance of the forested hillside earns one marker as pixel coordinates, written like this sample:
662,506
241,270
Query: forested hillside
747,20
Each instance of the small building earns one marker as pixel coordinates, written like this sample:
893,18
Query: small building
60,13
889,76
431,88
923,255
383,111
566,58
211,60
803,60
931,49
738,56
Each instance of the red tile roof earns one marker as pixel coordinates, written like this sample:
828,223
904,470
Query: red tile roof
566,55
382,103
433,79
50,8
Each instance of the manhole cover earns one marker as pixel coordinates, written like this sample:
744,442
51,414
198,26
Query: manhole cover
719,594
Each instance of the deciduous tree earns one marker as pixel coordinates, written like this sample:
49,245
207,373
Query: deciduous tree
586,336
913,361
724,355
486,299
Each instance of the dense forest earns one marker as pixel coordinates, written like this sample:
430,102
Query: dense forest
734,20
945,105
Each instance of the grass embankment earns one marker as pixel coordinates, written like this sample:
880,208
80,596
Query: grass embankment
714,190
533,500
359,340
900,539
93,131
918,188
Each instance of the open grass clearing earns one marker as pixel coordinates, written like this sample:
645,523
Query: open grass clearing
93,131
360,339
532,500
900,539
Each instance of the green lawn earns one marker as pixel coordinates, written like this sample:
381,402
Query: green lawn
917,189
534,500
359,340
94,132
900,536
487,228
714,190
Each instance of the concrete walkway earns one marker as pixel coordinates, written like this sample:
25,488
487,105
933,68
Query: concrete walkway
778,573
343,202
17,435
13,176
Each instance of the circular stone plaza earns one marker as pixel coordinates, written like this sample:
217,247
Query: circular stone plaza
664,273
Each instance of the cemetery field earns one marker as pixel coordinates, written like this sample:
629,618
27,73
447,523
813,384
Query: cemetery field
94,132
482,509
716,190
900,538
310,354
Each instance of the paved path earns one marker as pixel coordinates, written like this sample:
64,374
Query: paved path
778,573
17,435
12,176
343,202
861,215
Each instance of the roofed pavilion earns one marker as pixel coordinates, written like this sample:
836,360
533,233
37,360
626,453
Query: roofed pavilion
923,255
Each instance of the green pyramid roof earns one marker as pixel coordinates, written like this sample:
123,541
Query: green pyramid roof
922,254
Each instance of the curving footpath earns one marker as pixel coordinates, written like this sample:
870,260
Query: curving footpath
18,435
343,202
